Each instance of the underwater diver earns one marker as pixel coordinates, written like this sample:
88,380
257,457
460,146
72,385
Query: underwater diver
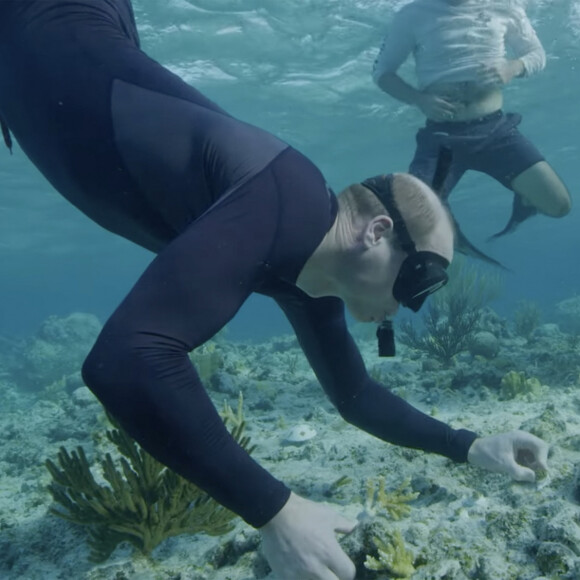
459,49
229,210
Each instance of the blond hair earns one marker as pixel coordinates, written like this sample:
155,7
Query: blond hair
420,208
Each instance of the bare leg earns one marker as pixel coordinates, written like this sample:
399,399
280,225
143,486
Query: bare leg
541,187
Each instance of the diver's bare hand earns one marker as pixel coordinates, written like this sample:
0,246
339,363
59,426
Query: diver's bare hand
437,108
499,74
300,542
518,454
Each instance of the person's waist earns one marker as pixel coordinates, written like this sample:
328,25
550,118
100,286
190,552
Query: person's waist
494,116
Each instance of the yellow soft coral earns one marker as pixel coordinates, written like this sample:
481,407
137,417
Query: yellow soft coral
393,557
515,384
394,502
141,501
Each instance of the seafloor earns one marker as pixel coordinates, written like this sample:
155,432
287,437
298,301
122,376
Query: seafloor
464,522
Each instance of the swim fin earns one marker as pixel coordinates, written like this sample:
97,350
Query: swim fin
520,213
464,246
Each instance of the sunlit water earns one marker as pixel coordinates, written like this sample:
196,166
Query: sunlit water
301,69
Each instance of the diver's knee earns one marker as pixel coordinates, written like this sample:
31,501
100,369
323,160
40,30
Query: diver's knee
553,202
541,187
560,207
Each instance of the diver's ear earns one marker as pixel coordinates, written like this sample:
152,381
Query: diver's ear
379,227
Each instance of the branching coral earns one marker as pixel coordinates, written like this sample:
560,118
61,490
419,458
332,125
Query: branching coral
238,423
142,502
393,557
395,503
454,313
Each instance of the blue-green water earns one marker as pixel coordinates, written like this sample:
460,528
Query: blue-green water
301,69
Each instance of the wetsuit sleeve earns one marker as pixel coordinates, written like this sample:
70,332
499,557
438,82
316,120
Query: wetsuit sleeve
322,332
140,370
524,42
397,45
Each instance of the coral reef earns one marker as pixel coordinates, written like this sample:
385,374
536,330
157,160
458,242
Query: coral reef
391,554
484,344
143,502
56,350
527,318
393,557
335,488
454,313
466,523
568,315
515,384
549,425
208,360
394,503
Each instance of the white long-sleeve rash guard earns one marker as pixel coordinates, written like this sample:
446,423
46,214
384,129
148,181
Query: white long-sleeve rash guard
449,43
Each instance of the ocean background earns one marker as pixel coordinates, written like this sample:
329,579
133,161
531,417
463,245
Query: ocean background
300,69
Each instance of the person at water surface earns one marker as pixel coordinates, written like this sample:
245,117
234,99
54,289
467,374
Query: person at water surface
460,50
229,210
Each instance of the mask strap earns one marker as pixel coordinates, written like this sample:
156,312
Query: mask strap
382,187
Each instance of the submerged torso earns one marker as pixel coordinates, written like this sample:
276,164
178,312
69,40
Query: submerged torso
129,143
473,101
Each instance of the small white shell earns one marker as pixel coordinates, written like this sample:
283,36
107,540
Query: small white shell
299,434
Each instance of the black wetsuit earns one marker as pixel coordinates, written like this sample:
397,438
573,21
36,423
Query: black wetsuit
229,209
